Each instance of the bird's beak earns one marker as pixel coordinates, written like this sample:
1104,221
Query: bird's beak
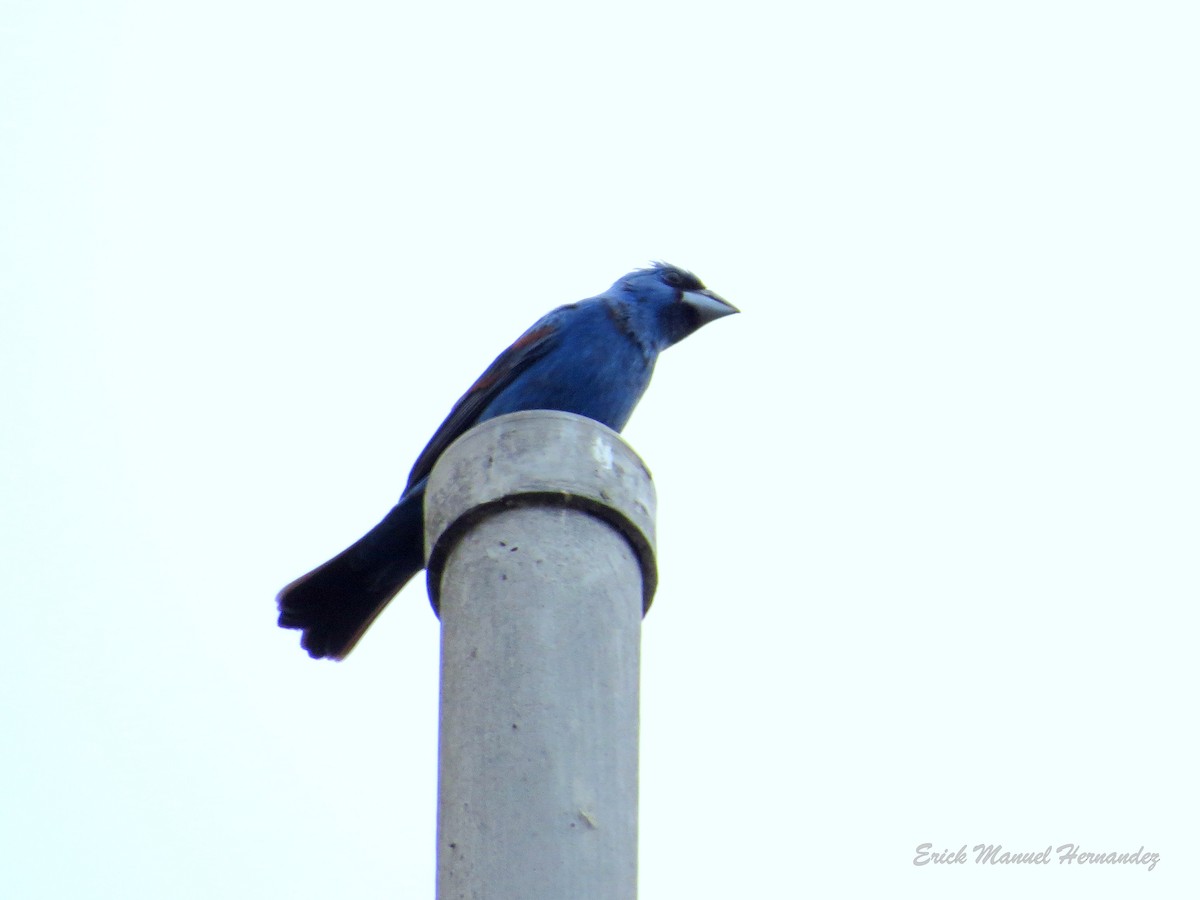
708,305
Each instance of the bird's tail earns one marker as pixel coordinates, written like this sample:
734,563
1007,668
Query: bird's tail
336,602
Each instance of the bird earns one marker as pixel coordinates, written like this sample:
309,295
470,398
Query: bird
593,358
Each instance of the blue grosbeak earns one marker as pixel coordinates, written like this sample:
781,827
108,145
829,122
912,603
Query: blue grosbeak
593,358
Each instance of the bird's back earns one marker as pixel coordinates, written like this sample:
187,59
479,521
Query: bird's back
595,368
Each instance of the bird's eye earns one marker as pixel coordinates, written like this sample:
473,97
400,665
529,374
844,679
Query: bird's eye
673,278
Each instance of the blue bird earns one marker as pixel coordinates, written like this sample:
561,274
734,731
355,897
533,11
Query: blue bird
593,358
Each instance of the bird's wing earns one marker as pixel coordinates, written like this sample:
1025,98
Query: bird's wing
526,350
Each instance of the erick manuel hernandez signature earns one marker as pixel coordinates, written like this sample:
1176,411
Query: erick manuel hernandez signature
996,855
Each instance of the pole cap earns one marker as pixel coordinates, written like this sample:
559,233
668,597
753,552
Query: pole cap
542,458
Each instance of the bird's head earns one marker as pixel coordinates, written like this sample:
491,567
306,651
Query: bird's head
673,301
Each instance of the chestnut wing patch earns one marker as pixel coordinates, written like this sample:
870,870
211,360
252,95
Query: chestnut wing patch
527,349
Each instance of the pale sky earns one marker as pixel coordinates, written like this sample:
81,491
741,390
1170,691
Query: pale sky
928,509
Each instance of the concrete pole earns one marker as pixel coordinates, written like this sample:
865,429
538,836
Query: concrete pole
540,535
